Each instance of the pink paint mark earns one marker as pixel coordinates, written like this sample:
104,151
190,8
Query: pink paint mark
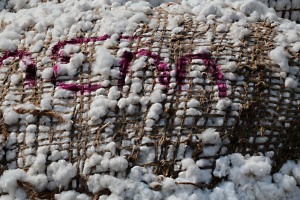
180,71
59,55
127,57
164,74
162,67
25,57
78,40
82,88
214,70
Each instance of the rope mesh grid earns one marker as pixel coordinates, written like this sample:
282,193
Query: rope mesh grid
288,9
262,119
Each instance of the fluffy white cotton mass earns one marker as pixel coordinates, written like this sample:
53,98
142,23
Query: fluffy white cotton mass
104,62
60,174
11,117
71,195
70,68
278,56
100,107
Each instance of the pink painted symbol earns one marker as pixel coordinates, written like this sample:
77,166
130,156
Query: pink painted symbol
124,66
58,55
162,67
82,88
209,63
30,73
127,57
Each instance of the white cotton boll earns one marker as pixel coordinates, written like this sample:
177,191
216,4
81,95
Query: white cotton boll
71,195
37,46
47,73
152,24
94,183
62,93
100,107
230,66
237,159
118,164
196,175
15,79
288,183
11,117
136,87
71,68
211,150
109,43
122,103
104,164
154,111
30,139
7,44
39,164
69,49
296,173
267,189
229,191
131,109
230,76
139,64
31,128
111,147
10,97
114,93
221,28
169,184
61,173
94,160
248,7
185,163
287,167
292,36
291,83
279,57
46,103
104,61
18,4
8,180
223,104
10,155
39,181
177,30
225,191
157,96
256,165
210,136
55,155
238,31
193,112
296,47
138,18
217,194
222,167
193,103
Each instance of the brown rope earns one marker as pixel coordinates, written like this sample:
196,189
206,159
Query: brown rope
48,113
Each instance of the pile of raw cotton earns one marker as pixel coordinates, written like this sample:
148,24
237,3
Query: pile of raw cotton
104,99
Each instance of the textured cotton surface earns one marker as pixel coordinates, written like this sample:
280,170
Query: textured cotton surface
148,100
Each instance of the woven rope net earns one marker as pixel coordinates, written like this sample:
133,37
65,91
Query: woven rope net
262,118
289,9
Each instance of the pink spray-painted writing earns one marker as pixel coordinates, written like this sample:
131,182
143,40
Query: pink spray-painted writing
162,67
25,57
